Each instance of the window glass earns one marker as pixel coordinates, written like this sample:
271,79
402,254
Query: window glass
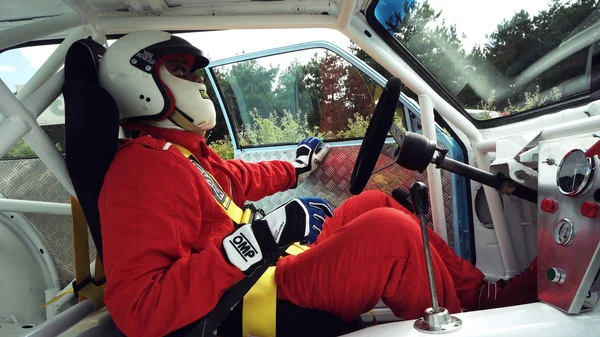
17,66
499,58
283,98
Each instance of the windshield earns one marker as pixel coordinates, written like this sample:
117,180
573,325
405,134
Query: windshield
499,58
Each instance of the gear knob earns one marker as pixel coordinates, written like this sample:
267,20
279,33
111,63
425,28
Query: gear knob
420,198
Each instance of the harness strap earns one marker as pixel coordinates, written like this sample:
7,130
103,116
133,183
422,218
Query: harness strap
236,214
83,285
259,308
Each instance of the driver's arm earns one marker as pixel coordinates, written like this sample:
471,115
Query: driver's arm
161,274
261,179
265,178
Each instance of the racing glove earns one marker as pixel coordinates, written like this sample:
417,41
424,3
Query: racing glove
309,154
298,220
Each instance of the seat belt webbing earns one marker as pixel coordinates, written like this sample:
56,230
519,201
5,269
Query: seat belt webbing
84,285
259,306
238,215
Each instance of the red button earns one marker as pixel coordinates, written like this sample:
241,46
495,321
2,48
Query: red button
589,209
549,205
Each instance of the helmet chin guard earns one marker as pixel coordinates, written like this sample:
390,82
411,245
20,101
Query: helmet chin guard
191,102
129,71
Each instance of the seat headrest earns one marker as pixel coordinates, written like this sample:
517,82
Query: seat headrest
83,59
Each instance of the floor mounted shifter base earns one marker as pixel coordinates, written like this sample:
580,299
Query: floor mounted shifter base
437,322
435,319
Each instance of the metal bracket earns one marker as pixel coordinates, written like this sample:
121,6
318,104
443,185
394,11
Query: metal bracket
530,156
87,13
510,147
147,7
158,7
396,133
517,171
389,150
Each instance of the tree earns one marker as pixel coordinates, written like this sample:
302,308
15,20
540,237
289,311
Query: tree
519,42
312,82
255,82
438,48
485,77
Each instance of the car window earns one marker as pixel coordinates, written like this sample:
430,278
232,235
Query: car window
509,58
17,66
283,98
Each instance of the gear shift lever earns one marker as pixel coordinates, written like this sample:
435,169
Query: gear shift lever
435,319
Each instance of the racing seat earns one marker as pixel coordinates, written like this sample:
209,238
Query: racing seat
91,130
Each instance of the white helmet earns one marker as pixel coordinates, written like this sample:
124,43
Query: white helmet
132,70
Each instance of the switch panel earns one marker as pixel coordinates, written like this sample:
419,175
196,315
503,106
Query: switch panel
568,238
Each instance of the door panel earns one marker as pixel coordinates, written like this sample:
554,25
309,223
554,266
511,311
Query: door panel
331,180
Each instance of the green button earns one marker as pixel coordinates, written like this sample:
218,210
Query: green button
551,274
555,275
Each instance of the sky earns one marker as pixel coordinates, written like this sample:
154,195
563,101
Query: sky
475,18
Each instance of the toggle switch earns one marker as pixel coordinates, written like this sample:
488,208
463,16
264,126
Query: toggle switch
589,209
549,205
594,150
555,275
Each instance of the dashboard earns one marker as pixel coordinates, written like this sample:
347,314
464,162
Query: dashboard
569,223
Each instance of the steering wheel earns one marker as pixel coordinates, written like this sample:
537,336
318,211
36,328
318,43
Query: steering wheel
380,124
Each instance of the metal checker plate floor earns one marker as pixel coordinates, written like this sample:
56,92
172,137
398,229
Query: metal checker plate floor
30,179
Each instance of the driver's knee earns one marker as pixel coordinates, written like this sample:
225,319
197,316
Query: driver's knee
369,200
372,196
388,228
366,201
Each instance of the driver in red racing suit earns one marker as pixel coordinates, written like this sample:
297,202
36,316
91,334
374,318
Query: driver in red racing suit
168,249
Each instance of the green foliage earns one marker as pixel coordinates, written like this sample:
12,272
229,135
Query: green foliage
273,129
22,150
531,100
357,126
284,104
492,68
292,128
223,147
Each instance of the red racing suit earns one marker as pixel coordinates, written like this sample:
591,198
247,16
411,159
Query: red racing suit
162,232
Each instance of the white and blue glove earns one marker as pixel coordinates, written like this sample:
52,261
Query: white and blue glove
298,220
309,154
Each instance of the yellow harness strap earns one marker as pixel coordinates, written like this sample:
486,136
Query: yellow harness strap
259,311
259,308
236,214
259,304
82,259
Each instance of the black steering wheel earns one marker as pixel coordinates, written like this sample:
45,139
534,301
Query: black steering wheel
380,124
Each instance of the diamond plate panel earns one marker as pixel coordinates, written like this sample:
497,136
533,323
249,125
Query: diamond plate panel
30,179
331,180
